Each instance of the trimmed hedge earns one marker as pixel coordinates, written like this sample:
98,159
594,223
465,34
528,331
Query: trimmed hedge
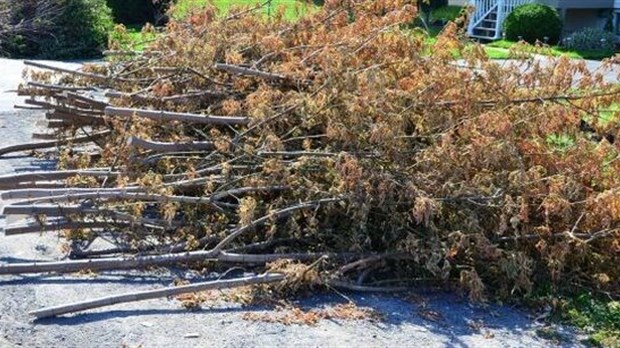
533,22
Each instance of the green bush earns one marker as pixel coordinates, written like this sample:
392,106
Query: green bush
132,11
81,32
23,23
446,14
533,22
55,29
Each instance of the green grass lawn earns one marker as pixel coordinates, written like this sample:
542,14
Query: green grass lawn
131,37
293,8
496,52
555,51
501,49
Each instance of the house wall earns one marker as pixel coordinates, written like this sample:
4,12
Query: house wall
579,4
576,19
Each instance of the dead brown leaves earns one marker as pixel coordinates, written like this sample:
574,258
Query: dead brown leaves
291,315
480,173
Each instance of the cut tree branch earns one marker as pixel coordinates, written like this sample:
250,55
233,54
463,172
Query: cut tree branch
158,293
169,147
52,143
176,116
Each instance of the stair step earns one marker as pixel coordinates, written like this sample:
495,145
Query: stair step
488,30
482,37
486,26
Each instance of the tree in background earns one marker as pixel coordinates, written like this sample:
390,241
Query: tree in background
139,12
427,6
23,23
132,11
54,29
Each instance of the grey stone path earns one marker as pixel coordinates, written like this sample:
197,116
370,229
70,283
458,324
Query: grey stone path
163,323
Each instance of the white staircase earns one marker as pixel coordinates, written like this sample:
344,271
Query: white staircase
488,17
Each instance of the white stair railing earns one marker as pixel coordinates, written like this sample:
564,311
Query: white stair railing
483,8
508,6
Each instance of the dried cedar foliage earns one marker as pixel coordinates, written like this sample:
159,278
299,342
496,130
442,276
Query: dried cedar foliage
347,132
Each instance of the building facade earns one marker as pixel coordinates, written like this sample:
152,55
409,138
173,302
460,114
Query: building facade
489,15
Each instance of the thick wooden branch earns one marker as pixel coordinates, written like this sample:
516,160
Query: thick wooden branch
181,98
52,143
169,147
11,179
245,190
58,225
31,196
157,293
78,73
44,136
65,107
87,254
239,70
114,195
63,70
45,209
141,262
41,193
27,107
75,118
103,264
265,258
46,185
176,116
91,102
59,87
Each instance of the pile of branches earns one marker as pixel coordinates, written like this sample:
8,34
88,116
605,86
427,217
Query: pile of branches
344,140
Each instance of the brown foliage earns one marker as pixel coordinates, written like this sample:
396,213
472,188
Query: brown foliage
455,167
291,315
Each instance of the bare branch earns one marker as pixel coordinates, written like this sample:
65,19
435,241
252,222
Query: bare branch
151,294
53,143
175,116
